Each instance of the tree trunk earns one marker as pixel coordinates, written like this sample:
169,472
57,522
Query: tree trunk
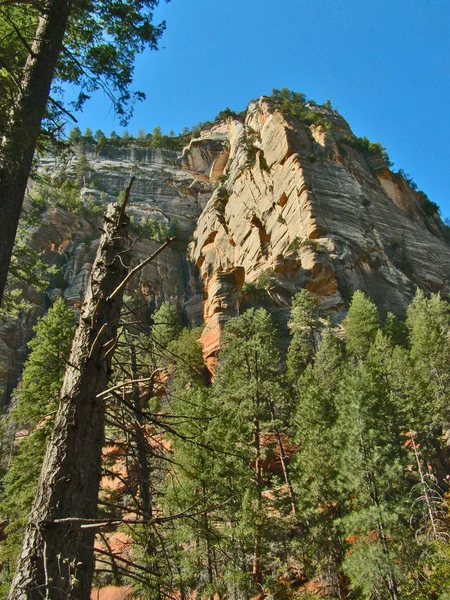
286,476
256,571
18,142
57,558
139,439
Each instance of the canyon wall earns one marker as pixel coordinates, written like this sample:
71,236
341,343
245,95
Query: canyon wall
262,206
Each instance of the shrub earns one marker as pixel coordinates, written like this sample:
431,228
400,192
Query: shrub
314,244
297,106
429,207
365,146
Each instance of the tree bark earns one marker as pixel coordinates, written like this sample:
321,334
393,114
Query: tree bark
18,142
286,476
57,559
257,571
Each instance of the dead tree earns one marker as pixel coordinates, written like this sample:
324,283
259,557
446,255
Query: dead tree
57,559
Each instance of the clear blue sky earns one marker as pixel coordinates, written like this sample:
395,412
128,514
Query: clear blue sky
384,64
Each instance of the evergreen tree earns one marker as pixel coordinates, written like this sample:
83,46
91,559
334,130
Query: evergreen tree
305,326
98,134
361,325
166,324
246,395
374,471
428,322
87,136
36,400
156,137
75,135
82,170
321,499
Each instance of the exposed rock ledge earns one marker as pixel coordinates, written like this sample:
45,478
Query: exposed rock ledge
292,206
268,203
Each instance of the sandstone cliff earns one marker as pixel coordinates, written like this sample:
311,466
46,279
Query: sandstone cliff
297,206
263,206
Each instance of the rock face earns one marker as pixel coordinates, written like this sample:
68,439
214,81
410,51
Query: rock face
163,192
298,206
271,205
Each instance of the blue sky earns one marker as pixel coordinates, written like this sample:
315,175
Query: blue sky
383,64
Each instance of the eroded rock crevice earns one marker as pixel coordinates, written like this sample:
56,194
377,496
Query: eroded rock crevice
269,199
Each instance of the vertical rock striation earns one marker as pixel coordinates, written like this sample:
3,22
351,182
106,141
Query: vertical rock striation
301,205
262,207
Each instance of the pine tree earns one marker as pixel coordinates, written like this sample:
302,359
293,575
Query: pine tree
321,500
428,321
305,327
166,324
374,471
246,391
361,325
36,399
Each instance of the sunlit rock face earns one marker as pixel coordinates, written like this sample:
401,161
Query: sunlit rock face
298,207
261,207
162,192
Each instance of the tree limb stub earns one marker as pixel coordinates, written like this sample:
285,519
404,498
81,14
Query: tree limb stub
125,201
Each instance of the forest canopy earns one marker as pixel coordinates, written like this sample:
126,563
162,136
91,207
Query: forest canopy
323,479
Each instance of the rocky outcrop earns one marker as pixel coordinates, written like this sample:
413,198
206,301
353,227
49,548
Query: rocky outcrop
299,206
262,207
166,194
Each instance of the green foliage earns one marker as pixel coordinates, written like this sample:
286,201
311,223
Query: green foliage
429,207
257,290
27,265
409,180
166,324
395,330
313,244
364,145
296,105
321,500
156,137
251,151
361,324
75,135
36,400
152,229
428,321
362,417
187,356
13,52
101,43
226,113
83,169
87,135
305,326
61,191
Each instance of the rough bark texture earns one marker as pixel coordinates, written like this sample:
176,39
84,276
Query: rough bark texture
57,559
19,141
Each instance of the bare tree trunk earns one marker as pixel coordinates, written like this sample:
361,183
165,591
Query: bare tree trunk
57,558
139,438
18,142
283,457
257,570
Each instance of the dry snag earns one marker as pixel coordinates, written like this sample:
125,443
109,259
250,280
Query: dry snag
57,559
